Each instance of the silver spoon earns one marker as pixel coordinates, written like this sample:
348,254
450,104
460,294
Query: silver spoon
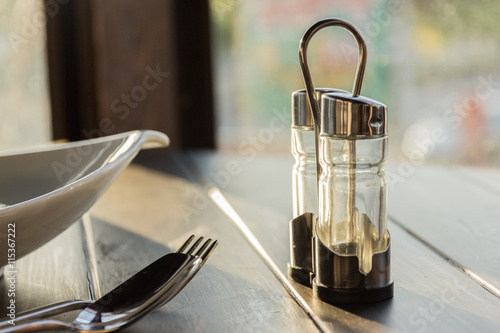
147,290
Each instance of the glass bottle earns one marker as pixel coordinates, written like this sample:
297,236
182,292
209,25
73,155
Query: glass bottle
353,186
304,176
304,171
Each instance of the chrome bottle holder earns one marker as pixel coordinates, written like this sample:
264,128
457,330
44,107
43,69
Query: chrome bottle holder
300,267
335,278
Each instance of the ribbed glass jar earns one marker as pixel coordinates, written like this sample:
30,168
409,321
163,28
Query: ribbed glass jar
353,196
304,180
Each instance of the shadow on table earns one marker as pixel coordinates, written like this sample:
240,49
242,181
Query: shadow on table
411,312
379,312
221,298
167,160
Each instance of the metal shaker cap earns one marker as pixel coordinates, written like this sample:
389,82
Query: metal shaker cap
301,110
347,115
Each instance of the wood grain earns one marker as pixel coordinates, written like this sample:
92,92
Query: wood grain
455,213
158,202
115,66
261,193
55,272
131,40
140,218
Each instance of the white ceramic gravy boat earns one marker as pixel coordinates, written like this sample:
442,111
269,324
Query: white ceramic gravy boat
46,189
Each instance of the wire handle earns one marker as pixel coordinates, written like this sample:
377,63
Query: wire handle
306,73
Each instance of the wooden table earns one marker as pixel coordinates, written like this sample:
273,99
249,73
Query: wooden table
444,222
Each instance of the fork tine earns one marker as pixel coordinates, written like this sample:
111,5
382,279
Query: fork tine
203,247
195,245
186,243
204,256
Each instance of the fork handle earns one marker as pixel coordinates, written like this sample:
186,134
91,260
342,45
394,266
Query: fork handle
37,326
46,311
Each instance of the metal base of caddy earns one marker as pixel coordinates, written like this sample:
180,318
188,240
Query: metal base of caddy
335,278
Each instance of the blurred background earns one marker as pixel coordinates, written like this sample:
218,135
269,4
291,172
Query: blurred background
434,63
24,94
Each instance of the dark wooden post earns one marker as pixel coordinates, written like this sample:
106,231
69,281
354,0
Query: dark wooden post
119,65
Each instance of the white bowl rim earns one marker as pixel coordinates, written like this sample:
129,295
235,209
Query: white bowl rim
136,135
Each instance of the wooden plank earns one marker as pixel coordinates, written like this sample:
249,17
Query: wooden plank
70,68
142,216
194,61
55,272
455,214
487,178
261,193
135,66
115,66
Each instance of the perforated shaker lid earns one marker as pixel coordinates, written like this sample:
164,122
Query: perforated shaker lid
347,115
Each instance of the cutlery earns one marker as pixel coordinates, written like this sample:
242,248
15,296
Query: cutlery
147,290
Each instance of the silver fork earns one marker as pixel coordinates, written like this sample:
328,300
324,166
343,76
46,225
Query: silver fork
147,290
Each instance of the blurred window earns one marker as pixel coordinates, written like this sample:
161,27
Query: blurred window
25,113
434,63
